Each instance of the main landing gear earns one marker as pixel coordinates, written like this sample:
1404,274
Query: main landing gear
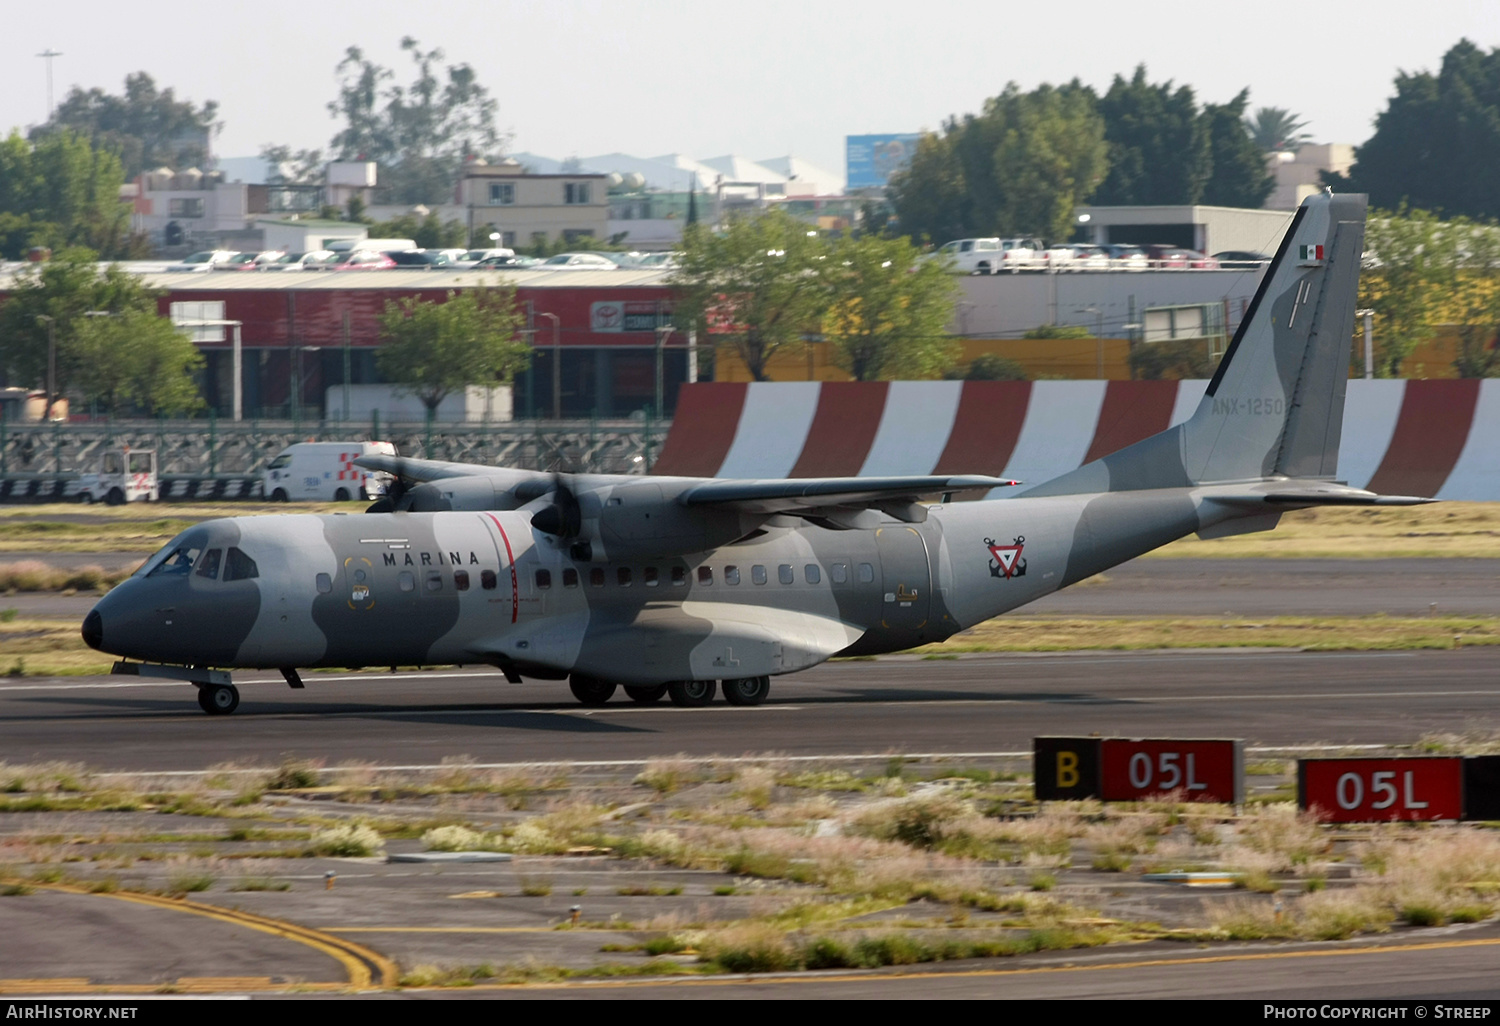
687,694
218,699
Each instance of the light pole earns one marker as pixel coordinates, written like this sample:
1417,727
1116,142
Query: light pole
1098,334
1369,318
662,331
51,363
556,364
47,55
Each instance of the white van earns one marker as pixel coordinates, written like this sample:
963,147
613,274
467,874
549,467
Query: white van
324,472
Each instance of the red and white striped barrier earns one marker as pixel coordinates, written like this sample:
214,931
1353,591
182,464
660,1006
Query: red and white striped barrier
1437,438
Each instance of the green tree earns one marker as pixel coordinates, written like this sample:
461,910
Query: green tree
1018,167
1475,300
757,284
887,310
140,359
1240,177
429,232
145,126
420,133
1058,331
66,289
62,191
287,166
433,349
992,367
1274,129
1159,149
1438,140
1409,270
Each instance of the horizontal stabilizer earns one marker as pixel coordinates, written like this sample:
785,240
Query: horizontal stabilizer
1285,494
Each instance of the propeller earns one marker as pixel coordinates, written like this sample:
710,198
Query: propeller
564,517
394,492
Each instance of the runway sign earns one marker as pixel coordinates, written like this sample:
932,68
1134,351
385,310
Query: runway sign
1380,790
1482,787
1129,769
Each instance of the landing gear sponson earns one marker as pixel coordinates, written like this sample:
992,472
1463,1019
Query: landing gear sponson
218,696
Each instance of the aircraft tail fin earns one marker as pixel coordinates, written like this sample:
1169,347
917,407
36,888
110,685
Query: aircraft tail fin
1275,407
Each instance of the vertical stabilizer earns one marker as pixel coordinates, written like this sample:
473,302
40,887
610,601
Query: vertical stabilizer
1275,407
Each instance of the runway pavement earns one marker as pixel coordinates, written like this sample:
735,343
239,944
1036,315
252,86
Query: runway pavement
982,703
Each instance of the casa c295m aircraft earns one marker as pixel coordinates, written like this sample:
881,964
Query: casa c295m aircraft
684,586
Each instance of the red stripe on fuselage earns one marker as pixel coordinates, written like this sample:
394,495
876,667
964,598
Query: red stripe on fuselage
515,582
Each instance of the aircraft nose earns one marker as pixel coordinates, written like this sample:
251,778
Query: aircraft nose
93,630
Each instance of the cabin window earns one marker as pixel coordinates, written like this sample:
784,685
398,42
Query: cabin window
406,582
544,579
813,574
758,574
731,575
622,575
487,580
866,573
650,576
570,578
461,580
706,575
679,575
596,577
784,573
325,584
208,566
839,572
434,580
238,566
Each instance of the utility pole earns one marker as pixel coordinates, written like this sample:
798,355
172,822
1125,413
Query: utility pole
47,55
1369,316
51,363
556,363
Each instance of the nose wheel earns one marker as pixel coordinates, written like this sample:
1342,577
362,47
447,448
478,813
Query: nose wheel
218,699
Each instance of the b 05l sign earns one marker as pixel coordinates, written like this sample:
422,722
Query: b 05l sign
1117,769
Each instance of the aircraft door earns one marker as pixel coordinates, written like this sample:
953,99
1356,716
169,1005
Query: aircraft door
906,578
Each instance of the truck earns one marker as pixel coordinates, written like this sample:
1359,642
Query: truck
123,475
990,256
324,472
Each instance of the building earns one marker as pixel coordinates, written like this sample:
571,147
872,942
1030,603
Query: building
527,208
1203,228
1299,175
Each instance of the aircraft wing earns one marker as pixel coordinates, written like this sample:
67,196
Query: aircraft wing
437,470
815,495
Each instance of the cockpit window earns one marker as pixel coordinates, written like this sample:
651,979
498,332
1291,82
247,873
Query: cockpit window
179,561
238,566
208,566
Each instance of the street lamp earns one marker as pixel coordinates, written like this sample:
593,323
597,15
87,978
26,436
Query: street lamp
556,364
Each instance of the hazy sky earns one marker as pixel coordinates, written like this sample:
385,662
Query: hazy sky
761,79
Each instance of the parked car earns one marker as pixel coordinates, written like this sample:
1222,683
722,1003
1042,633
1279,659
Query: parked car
417,258
363,261
578,262
1076,257
314,261
474,256
511,262
660,261
1177,257
1242,259
204,260
1124,257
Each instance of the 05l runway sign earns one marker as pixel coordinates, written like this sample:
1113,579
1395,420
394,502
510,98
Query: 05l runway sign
1409,789
1129,769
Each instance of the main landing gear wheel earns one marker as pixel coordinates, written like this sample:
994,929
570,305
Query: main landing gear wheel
591,690
747,690
690,694
218,699
647,694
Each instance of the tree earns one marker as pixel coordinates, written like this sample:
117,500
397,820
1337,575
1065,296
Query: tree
419,133
1437,141
887,310
1274,129
1407,275
758,284
66,289
62,191
988,367
292,167
1474,300
1159,149
145,126
432,349
428,232
138,358
1018,167
1240,177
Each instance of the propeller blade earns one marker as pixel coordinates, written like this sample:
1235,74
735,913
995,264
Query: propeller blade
395,492
563,518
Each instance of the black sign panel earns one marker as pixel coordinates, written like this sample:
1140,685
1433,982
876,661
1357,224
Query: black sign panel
1482,787
1065,768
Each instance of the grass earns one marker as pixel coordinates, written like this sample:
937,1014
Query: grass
1448,529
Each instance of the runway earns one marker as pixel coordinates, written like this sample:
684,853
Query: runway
987,703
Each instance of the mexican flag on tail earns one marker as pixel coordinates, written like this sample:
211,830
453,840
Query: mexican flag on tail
1309,255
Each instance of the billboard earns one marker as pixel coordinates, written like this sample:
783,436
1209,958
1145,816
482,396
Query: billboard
870,159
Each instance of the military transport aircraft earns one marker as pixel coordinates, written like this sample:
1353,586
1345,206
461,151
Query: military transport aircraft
682,586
